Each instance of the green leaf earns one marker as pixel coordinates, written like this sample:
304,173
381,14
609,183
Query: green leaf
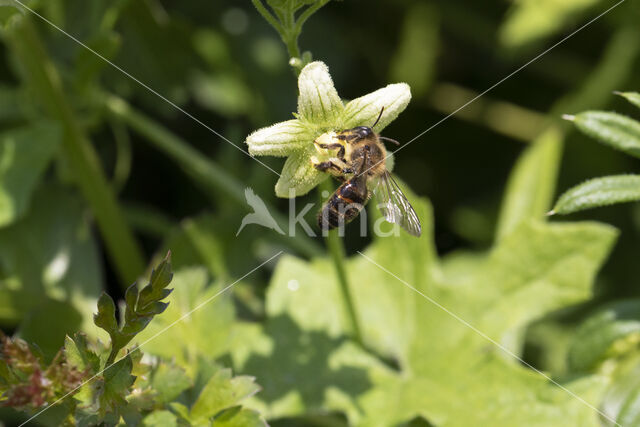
622,400
48,323
8,11
632,97
532,183
615,130
204,332
169,381
140,308
599,192
105,318
240,417
611,331
447,372
24,154
115,385
415,59
221,392
529,21
161,418
79,355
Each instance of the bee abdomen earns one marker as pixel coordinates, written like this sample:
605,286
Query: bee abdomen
343,206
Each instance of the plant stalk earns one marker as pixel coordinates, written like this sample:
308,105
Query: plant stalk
335,247
44,82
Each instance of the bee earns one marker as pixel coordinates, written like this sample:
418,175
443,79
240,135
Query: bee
359,163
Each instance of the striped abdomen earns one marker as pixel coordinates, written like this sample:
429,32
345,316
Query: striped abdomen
345,204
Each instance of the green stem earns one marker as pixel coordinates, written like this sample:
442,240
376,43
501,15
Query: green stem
267,15
338,255
307,13
203,171
44,82
112,356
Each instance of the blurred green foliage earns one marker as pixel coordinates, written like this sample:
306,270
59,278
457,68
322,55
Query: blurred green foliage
97,174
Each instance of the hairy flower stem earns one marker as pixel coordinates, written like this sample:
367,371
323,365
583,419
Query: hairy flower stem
289,28
336,249
45,83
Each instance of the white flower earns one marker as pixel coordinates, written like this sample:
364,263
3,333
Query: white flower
321,110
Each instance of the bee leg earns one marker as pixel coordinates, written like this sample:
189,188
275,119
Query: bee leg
334,165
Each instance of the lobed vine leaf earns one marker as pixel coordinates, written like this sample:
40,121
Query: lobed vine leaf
447,373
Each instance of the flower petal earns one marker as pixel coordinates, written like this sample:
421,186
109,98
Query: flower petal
280,139
364,111
298,176
318,101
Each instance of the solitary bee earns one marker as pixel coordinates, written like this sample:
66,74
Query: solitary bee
360,164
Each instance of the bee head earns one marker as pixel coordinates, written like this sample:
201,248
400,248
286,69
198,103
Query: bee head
363,131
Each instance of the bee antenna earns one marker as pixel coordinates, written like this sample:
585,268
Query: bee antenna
378,119
384,138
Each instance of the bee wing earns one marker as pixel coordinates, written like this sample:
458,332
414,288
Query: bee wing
394,205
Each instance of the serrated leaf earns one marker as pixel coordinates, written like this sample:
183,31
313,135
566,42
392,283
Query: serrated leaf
79,355
160,278
105,318
532,183
140,308
615,130
117,380
611,331
632,97
24,154
599,192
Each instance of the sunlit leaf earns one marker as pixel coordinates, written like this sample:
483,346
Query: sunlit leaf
532,183
448,372
221,392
